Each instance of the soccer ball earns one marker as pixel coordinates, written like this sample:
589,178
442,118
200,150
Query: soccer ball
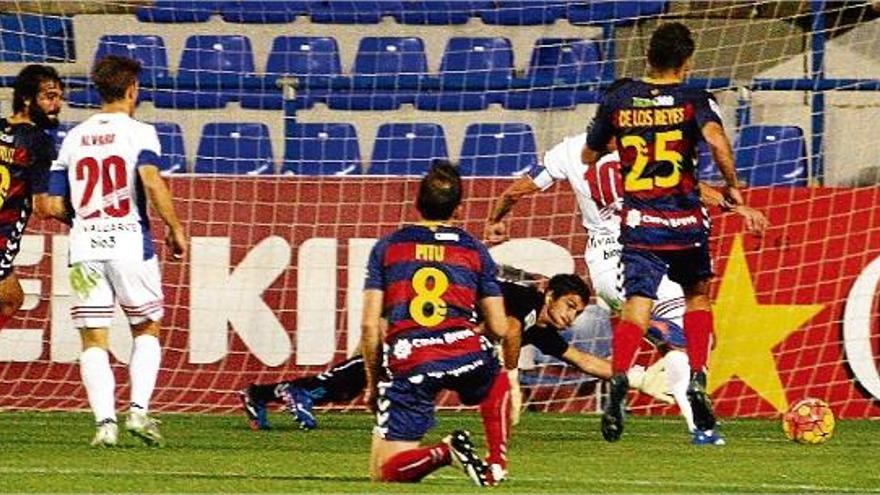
809,421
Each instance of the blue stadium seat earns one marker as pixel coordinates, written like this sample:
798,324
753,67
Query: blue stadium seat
453,101
147,49
36,38
407,149
59,133
351,12
369,100
263,12
616,11
561,64
497,149
322,149
523,13
476,63
390,62
215,69
707,171
235,148
178,11
313,58
769,155
431,12
173,157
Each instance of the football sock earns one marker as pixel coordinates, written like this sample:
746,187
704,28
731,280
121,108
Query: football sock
341,383
678,376
698,331
413,465
98,379
495,411
624,344
143,369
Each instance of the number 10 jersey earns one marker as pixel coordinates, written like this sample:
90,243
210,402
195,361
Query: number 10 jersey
100,158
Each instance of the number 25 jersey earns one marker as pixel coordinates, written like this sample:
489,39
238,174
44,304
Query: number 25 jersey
656,128
100,157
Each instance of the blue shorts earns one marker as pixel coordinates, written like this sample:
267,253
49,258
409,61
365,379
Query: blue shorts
642,269
665,334
406,402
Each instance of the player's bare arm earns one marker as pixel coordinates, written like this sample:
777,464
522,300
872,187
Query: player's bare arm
588,363
590,156
160,197
722,152
496,230
371,342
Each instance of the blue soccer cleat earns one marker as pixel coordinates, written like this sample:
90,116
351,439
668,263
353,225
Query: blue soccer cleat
707,437
255,410
300,405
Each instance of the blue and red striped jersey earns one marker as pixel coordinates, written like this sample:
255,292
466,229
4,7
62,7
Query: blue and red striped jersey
432,276
26,153
656,128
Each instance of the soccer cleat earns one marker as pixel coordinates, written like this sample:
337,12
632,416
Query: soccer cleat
254,410
704,417
496,474
612,418
300,404
145,428
464,457
708,437
106,433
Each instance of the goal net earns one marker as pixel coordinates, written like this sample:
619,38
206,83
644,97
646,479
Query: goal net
294,134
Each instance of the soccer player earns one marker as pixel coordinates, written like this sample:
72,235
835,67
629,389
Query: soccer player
533,317
426,280
656,124
109,162
26,153
599,192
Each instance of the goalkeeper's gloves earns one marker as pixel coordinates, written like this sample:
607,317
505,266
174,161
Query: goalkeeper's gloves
651,381
515,396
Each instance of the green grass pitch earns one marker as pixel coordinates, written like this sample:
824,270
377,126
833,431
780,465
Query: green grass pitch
49,452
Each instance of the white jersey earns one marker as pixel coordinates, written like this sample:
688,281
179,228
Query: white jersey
101,156
598,190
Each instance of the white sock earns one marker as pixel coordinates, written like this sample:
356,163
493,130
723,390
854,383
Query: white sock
98,379
678,372
143,369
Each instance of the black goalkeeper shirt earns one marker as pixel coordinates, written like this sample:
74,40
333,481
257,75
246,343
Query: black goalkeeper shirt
524,304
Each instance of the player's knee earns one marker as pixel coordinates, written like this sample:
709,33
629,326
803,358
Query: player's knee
94,337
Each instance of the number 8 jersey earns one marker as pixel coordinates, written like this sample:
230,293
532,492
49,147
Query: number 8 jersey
656,128
100,158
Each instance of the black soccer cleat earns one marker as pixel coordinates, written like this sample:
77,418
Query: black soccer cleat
704,416
464,456
612,419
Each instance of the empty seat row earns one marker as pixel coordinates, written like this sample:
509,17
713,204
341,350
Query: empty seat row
766,155
501,149
404,12
221,69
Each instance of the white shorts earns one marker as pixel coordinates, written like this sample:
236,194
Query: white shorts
606,273
97,285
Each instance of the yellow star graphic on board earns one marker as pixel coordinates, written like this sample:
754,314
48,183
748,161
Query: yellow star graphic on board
746,332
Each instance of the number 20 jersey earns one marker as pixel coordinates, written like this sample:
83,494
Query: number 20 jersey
656,128
100,157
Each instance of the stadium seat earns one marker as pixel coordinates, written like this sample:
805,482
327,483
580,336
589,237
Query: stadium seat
178,11
523,13
707,171
235,148
768,155
262,12
173,158
351,12
558,70
434,12
616,11
389,62
407,149
453,101
59,133
209,65
476,63
36,38
322,149
497,150
147,49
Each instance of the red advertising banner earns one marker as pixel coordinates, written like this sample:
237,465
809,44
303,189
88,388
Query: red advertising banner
272,290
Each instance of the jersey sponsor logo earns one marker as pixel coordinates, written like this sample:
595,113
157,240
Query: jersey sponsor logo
637,117
447,236
635,218
657,101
